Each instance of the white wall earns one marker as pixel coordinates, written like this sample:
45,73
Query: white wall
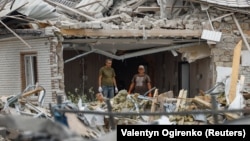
10,68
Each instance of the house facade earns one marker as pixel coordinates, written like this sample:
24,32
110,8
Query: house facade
23,66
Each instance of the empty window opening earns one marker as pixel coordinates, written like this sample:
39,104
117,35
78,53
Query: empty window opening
29,70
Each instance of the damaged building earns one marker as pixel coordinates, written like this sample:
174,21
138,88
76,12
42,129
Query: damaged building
196,53
61,44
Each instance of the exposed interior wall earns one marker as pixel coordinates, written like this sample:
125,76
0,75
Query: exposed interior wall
163,68
81,74
222,52
200,74
73,72
222,56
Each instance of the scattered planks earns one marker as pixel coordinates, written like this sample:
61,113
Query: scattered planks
235,71
199,101
181,103
153,106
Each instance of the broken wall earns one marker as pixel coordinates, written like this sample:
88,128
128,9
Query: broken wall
222,52
200,74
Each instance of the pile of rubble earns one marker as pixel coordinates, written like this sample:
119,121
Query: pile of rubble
169,110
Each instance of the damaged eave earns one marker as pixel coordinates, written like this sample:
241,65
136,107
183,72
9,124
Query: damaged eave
130,33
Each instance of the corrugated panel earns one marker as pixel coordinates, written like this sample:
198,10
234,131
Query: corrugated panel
16,5
10,77
96,7
69,3
230,3
38,9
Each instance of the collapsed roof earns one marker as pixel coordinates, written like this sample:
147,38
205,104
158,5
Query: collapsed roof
142,24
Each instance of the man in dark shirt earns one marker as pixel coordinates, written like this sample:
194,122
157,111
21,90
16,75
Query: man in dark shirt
141,82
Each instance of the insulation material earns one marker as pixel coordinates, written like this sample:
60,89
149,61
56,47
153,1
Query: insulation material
211,35
194,53
223,74
238,102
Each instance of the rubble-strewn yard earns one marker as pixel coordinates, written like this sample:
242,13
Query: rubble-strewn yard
94,126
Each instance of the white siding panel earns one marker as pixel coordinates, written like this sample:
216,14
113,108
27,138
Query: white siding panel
10,69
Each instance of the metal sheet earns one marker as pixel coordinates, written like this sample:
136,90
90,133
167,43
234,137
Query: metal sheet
38,9
91,7
211,35
230,3
10,8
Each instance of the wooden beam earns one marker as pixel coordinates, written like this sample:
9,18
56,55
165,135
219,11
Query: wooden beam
178,103
199,101
146,9
153,106
235,71
31,92
124,41
182,104
130,33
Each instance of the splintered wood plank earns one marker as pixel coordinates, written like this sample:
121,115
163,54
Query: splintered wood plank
235,71
202,102
231,116
153,106
182,104
183,98
147,8
32,92
179,100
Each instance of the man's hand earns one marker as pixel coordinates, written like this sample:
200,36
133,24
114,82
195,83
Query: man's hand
150,95
116,90
100,89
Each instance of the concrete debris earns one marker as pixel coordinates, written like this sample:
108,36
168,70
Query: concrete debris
91,126
171,14
24,128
